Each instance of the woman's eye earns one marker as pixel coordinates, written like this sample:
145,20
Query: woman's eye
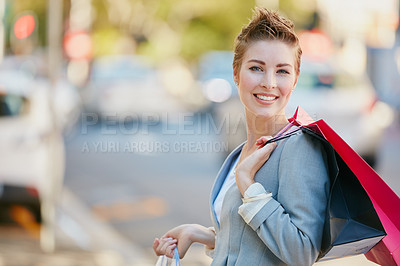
283,71
256,68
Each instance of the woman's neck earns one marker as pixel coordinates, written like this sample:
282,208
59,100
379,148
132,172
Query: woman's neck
263,126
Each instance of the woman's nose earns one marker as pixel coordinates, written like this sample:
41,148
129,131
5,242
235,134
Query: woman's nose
268,81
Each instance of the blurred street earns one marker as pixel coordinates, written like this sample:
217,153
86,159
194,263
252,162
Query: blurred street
139,190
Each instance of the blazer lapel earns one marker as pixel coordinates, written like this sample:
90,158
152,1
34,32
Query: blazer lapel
220,180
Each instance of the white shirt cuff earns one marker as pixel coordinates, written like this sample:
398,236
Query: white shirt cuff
255,197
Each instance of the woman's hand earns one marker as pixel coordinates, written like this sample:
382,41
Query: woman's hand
164,246
183,237
254,158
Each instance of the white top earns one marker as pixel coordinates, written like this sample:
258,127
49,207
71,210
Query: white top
229,181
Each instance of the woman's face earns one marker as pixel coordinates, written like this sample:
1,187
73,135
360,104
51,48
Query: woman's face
266,78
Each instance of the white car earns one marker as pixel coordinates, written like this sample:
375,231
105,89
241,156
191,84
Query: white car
31,152
348,103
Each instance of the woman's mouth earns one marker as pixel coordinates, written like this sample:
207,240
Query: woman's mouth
265,98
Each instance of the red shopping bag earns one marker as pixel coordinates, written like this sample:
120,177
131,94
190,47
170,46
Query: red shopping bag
385,201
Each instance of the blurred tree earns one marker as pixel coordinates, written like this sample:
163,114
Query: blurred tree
301,12
168,28
215,28
202,25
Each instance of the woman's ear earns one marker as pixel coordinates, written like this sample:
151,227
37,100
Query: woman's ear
235,77
295,82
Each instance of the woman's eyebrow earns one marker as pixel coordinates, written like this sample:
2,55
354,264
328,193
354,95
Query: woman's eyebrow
284,65
263,63
256,61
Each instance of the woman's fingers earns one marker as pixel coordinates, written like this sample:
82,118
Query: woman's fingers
170,250
263,139
168,247
164,246
269,147
256,159
261,142
264,148
156,243
168,242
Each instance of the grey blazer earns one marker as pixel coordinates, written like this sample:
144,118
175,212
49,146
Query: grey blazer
288,229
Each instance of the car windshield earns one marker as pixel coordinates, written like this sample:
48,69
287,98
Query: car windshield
12,105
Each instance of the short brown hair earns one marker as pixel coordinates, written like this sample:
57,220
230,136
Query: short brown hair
266,25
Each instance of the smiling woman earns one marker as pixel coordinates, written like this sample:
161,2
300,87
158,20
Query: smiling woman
265,81
266,207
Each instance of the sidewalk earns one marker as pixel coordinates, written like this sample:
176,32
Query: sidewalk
81,240
17,248
87,232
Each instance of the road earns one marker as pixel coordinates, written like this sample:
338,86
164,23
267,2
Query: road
145,178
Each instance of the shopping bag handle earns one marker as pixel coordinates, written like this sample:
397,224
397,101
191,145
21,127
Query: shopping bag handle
176,257
294,132
165,261
281,136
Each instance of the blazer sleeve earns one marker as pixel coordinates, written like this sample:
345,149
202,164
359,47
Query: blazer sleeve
291,223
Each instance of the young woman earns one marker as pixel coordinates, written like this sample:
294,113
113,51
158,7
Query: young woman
268,203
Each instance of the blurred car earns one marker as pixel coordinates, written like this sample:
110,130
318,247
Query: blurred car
347,102
66,98
32,168
216,74
13,177
178,79
126,86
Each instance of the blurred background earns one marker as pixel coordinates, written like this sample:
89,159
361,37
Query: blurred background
115,116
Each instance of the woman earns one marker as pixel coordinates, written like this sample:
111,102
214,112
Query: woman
268,203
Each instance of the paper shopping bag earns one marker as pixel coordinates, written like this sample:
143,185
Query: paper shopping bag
354,224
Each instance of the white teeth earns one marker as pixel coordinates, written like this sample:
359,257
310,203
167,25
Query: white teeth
265,98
